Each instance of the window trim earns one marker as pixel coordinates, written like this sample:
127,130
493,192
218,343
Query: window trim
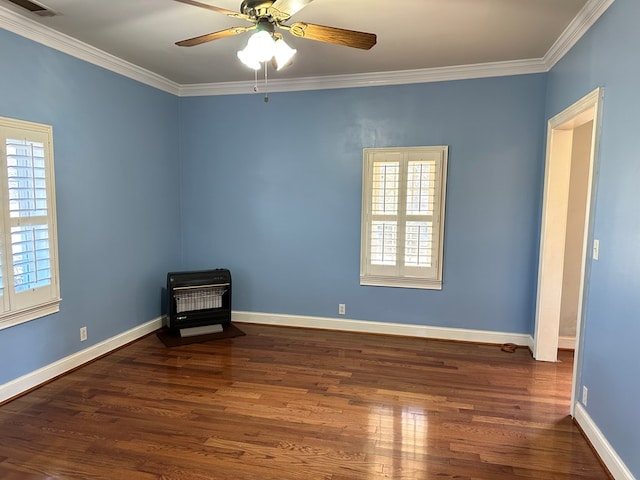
369,274
51,302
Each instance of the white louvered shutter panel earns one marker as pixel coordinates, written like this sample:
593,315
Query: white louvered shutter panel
403,210
29,285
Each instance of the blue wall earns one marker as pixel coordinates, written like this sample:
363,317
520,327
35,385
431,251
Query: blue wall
608,56
115,148
273,191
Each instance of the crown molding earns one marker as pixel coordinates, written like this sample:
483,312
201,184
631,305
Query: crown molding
585,19
400,77
23,26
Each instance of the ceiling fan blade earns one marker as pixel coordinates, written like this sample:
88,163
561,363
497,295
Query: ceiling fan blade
338,36
209,37
224,11
281,10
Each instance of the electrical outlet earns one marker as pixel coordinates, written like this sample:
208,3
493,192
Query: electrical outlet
341,309
83,334
585,394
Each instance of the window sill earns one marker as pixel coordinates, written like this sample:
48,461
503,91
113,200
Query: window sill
11,319
401,282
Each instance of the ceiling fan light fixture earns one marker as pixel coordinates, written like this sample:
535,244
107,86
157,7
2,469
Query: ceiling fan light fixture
248,58
262,47
282,53
259,49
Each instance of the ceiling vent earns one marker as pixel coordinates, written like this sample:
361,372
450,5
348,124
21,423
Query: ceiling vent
34,7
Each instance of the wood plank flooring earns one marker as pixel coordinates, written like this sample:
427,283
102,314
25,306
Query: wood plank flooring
293,404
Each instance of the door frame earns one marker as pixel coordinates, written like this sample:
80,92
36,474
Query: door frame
553,228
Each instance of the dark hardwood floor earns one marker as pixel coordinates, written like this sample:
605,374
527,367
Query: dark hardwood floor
294,404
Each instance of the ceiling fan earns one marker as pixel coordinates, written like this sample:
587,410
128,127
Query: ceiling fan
267,15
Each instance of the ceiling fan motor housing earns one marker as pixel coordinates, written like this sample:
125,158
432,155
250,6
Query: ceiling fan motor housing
256,9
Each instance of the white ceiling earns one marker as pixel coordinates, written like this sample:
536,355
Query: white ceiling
412,34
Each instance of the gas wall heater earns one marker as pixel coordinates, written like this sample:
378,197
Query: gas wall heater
199,302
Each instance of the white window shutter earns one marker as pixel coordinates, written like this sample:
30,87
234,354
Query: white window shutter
29,284
402,216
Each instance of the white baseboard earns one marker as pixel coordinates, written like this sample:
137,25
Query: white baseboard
362,326
567,343
48,372
608,455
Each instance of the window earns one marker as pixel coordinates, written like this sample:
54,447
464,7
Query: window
403,192
29,286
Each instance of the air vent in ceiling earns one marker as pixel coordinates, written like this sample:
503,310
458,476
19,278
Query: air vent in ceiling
34,7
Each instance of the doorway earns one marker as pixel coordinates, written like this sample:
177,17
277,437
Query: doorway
572,138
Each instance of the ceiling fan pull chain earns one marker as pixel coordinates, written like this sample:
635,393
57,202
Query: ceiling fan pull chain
255,81
266,82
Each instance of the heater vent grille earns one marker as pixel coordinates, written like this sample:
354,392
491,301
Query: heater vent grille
34,7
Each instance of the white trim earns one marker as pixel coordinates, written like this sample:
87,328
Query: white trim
38,377
399,77
399,274
44,299
16,318
589,14
554,216
401,282
386,328
25,27
567,343
16,23
606,452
